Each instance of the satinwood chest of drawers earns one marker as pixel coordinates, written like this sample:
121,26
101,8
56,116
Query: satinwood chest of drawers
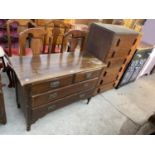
114,45
2,107
47,82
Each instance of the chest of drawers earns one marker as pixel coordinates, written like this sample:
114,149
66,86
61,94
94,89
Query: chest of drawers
47,82
2,107
114,45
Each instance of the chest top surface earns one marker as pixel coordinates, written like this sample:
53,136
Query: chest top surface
31,69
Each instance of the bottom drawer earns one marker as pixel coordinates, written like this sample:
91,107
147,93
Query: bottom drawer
42,110
104,88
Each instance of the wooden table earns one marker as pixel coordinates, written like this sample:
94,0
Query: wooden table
47,82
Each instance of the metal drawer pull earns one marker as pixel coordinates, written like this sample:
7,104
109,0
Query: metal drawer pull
88,75
82,95
52,96
52,107
55,84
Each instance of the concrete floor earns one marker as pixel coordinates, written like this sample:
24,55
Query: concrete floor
122,111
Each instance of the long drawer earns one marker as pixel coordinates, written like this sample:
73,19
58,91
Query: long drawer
42,110
47,97
52,84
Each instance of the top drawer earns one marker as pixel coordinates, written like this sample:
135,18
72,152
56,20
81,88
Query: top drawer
87,75
52,84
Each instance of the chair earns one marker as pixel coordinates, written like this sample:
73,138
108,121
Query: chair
14,27
55,33
31,42
34,39
74,39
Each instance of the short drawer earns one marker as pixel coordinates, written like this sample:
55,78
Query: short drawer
42,110
87,75
118,53
52,84
45,98
117,62
104,88
125,41
107,79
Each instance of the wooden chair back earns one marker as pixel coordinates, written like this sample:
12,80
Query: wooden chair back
33,38
55,32
74,39
22,24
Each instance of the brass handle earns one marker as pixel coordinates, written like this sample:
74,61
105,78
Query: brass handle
88,75
55,84
52,96
52,107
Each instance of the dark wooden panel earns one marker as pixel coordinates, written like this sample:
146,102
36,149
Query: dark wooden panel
2,109
62,92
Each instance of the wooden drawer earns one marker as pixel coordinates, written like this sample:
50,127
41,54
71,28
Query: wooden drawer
52,84
104,88
87,75
118,53
124,41
107,79
42,110
117,62
45,98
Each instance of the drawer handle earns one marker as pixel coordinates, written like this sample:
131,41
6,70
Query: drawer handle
52,107
55,84
88,75
82,95
52,96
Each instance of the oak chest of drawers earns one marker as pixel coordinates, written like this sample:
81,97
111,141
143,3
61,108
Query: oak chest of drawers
2,107
47,82
114,45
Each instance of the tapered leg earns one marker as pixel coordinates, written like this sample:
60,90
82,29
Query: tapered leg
88,100
28,128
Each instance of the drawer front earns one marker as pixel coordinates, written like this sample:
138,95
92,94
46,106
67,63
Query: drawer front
62,92
116,62
124,41
87,75
52,84
42,110
107,79
118,53
104,88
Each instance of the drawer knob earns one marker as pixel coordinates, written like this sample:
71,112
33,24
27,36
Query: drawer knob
55,84
52,96
52,107
88,75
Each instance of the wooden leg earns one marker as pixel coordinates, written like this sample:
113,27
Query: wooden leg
16,89
88,100
28,128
